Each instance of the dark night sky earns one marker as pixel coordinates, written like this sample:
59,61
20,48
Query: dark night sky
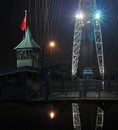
17,116
12,13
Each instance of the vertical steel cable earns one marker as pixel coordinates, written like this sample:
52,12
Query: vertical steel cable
29,14
114,24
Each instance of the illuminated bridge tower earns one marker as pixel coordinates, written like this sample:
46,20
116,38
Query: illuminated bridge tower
87,15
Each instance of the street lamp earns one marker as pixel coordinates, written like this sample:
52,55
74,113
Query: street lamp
51,47
51,44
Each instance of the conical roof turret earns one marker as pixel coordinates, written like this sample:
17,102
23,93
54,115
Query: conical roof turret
27,41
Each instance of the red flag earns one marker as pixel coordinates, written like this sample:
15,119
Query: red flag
23,25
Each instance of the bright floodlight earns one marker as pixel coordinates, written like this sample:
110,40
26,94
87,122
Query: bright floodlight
80,15
98,14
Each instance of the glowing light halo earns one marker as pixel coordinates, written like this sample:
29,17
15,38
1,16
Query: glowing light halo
98,14
52,114
52,44
80,14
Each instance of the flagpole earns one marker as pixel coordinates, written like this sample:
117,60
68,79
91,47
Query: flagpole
26,19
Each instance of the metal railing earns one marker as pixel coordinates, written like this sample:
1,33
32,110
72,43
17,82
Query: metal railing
80,89
62,90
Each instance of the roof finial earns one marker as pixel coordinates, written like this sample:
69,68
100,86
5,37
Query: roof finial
26,18
25,12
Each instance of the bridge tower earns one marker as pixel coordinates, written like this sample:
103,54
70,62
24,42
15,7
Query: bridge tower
88,16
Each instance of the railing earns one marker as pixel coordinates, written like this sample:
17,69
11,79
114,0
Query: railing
95,89
62,90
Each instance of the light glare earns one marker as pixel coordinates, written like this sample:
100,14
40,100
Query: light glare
98,14
52,44
52,114
80,16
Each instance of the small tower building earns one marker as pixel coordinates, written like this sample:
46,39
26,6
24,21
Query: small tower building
28,52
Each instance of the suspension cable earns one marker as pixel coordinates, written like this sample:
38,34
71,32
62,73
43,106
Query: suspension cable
114,24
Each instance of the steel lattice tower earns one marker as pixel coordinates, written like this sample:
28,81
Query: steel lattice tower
86,16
